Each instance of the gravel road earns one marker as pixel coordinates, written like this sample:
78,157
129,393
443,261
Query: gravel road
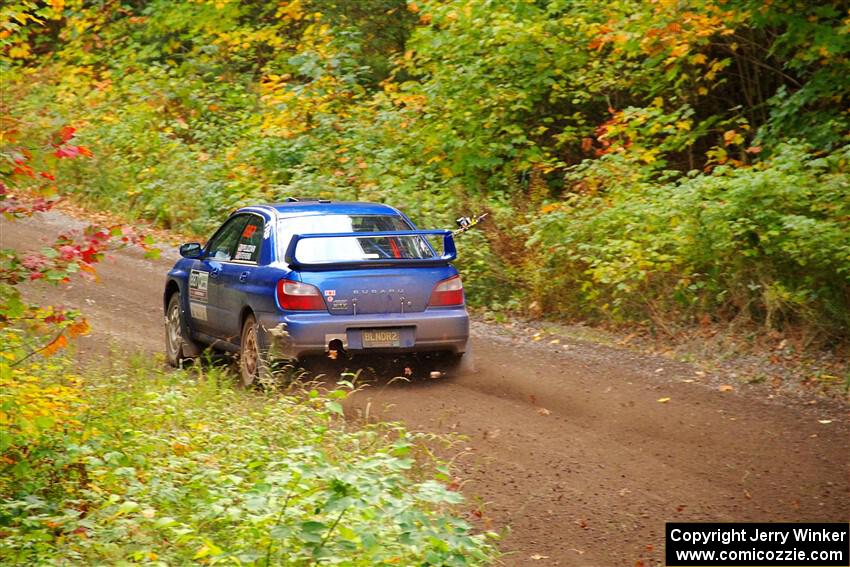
568,444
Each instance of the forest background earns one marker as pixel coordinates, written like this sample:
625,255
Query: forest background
649,162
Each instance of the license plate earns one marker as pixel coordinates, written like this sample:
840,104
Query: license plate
381,338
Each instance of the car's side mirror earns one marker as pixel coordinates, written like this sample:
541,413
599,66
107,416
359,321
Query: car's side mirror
191,250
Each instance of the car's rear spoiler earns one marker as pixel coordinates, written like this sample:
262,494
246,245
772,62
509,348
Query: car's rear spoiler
449,251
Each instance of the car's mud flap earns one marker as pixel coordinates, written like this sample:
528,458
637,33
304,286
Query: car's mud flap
279,342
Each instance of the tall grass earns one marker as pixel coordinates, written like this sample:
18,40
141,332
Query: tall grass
171,468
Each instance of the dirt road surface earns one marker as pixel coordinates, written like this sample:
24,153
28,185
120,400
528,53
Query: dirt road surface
568,444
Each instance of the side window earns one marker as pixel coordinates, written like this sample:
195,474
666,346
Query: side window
223,244
250,241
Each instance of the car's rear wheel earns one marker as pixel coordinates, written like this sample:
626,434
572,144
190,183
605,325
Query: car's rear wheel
253,363
178,347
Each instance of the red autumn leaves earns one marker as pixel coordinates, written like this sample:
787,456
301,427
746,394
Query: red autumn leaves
71,252
26,175
66,150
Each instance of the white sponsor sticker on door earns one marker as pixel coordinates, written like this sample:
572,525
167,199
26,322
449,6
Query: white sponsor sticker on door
198,282
198,311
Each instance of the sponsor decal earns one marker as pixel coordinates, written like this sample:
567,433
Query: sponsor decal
267,230
249,231
198,311
245,251
330,294
198,283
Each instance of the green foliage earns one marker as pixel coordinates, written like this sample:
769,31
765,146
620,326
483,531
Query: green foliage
174,468
769,243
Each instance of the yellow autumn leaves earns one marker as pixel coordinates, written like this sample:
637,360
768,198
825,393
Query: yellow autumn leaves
36,401
290,104
31,405
38,394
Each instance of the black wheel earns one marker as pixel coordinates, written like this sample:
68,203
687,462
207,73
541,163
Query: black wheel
253,365
178,347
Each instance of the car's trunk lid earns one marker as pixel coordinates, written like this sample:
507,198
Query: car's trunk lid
379,290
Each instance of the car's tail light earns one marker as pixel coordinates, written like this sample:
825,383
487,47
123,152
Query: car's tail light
447,292
297,296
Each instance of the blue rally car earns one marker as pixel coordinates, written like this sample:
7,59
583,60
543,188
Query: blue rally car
307,277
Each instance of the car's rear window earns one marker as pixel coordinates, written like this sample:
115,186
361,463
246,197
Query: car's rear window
355,248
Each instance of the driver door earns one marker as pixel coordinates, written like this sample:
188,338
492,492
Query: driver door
205,281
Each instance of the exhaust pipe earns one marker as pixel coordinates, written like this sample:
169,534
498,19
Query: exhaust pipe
336,349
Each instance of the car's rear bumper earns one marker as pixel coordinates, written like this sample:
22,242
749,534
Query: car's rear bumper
294,335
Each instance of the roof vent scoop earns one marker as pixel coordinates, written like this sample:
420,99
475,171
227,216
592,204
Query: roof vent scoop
306,199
